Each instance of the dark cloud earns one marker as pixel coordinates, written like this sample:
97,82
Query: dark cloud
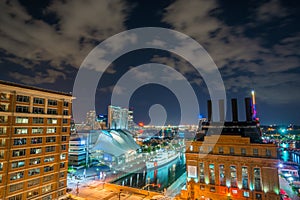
81,25
245,62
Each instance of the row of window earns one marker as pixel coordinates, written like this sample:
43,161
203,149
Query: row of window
35,120
39,110
22,152
33,161
38,150
35,171
230,181
39,130
37,100
243,152
34,140
20,186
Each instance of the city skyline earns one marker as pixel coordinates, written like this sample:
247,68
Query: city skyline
253,43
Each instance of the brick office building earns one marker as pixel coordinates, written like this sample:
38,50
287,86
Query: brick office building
232,165
34,138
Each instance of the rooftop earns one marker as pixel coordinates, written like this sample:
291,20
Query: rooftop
33,88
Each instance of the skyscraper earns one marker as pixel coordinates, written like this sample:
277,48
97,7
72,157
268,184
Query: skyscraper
118,117
34,135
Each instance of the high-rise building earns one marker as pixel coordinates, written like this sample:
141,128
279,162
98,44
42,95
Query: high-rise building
117,117
91,120
34,137
227,160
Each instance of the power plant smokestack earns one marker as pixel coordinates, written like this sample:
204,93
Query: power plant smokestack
221,110
234,110
209,110
248,109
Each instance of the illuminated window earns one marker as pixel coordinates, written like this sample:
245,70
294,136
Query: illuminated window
49,159
32,193
51,130
201,170
46,189
211,174
22,120
16,176
246,194
52,121
233,177
37,130
210,149
2,129
63,156
21,130
18,164
35,161
191,147
35,150
245,178
257,179
222,175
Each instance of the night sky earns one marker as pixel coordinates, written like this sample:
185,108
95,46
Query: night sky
255,45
